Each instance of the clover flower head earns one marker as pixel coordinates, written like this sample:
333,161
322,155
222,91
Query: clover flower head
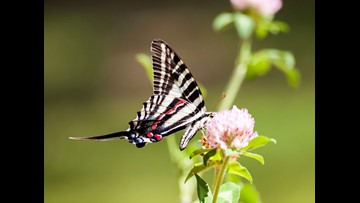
229,129
263,7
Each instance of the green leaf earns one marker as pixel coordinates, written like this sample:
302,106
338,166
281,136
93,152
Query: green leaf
261,32
254,156
222,20
262,28
257,142
283,60
276,27
249,194
286,58
208,155
199,151
293,77
237,169
203,190
196,169
244,25
146,62
261,61
229,193
265,25
258,65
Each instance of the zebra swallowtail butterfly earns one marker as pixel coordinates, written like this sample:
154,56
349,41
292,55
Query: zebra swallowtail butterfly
176,103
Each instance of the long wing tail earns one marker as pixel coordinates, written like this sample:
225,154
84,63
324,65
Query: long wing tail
107,137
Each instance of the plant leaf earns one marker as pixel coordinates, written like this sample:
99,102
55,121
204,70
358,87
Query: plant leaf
208,155
258,65
257,142
203,190
229,193
262,28
222,20
293,77
276,27
254,156
196,169
244,25
237,169
198,151
261,61
283,60
265,25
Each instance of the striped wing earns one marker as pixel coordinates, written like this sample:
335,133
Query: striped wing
177,102
172,77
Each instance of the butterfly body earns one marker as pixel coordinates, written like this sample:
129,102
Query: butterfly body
176,103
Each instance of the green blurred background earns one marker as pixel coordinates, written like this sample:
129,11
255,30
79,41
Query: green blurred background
93,86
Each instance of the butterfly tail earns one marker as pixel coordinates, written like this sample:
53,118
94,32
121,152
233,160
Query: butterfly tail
112,136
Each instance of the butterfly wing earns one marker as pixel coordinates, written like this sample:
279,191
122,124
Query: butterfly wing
172,77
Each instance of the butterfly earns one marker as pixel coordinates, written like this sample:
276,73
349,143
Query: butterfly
176,103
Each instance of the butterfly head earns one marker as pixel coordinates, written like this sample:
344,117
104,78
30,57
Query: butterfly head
206,118
210,114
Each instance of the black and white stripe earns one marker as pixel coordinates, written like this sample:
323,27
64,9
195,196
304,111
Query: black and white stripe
177,103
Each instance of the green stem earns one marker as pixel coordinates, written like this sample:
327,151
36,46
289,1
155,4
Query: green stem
216,174
238,75
186,192
220,177
175,158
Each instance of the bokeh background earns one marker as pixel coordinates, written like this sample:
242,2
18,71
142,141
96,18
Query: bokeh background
93,86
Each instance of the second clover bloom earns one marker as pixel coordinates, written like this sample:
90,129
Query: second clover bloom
230,129
264,7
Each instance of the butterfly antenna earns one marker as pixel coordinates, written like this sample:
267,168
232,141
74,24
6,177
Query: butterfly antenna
220,100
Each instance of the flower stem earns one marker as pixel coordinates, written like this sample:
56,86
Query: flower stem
216,174
185,194
220,177
238,75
